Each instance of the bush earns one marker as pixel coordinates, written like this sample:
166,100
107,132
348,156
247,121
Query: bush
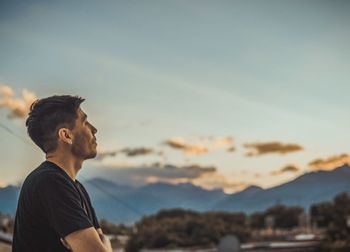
182,228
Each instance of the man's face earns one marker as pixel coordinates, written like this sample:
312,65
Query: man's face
84,142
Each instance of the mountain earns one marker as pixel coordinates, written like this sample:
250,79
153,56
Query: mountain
119,203
8,199
303,191
185,195
125,204
129,205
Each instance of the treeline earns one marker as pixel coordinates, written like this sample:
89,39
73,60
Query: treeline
6,223
334,217
185,228
279,217
176,228
110,228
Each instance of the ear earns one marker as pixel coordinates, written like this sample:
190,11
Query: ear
65,135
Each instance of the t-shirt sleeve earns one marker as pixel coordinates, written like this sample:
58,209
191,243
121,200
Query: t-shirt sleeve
94,217
61,205
95,220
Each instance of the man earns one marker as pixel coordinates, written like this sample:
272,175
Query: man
54,212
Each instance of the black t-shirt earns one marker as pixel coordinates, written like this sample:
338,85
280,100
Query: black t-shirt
51,205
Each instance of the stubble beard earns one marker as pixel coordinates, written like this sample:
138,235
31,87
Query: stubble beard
83,149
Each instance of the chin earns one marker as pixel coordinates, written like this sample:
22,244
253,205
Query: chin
91,155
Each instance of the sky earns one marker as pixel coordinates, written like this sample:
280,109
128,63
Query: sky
221,94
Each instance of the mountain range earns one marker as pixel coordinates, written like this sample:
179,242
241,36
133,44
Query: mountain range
125,204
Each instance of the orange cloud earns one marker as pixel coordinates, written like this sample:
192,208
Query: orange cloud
202,146
205,177
231,149
330,163
288,168
216,180
6,91
169,173
223,142
271,147
18,107
155,179
3,184
179,143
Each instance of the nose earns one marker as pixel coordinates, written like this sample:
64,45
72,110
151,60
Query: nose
94,130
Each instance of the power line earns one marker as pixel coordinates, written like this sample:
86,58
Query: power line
11,132
114,197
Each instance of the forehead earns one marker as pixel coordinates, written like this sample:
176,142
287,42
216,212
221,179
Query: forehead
81,114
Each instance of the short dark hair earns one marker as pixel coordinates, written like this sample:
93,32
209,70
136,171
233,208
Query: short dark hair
48,115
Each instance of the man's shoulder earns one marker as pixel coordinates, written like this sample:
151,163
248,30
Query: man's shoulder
42,174
81,186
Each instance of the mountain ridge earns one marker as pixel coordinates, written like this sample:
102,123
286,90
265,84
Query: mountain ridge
127,204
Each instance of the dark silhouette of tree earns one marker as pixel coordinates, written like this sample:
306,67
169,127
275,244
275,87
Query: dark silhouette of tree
335,217
322,214
284,217
257,221
110,228
186,228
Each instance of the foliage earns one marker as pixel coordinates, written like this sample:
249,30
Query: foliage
284,217
334,216
322,214
186,228
110,228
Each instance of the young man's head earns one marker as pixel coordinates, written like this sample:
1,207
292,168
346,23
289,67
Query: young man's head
57,123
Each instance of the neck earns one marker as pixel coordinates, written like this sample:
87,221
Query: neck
70,165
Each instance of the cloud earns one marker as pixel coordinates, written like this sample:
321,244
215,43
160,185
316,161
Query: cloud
216,143
6,91
231,149
3,184
157,170
201,146
179,143
271,147
104,154
186,171
216,181
131,152
288,168
204,176
330,163
139,175
18,107
194,167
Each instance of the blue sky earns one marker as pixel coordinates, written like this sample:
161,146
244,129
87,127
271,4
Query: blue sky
154,70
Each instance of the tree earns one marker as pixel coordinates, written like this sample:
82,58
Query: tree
335,217
185,228
284,217
322,214
110,228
